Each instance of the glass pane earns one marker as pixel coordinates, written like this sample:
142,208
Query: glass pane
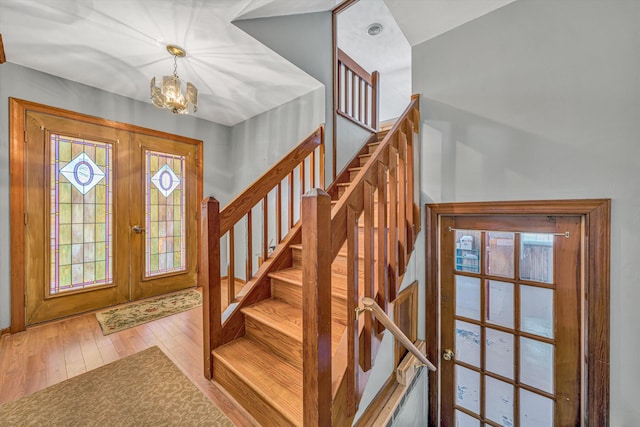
81,207
500,258
468,251
499,352
536,257
468,343
536,364
499,401
499,302
468,389
464,420
468,297
535,410
164,213
536,310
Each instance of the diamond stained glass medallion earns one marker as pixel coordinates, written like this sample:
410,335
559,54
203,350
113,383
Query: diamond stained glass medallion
82,173
165,180
164,213
81,214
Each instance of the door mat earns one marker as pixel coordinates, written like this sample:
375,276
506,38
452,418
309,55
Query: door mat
144,389
136,313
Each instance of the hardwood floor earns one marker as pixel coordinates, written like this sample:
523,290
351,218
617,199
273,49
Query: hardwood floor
47,354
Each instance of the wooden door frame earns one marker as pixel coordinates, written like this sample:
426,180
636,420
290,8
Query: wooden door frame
597,220
17,113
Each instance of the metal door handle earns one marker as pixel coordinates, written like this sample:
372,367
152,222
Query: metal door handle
448,354
137,229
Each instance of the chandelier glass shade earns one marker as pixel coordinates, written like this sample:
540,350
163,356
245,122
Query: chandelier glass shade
174,94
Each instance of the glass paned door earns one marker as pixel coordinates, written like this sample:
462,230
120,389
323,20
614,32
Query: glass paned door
163,216
76,198
510,321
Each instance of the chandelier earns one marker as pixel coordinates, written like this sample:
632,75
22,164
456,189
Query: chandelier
173,94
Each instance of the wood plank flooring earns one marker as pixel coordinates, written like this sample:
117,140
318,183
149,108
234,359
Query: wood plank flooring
47,354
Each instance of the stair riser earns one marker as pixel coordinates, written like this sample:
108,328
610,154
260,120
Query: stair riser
278,343
287,292
292,294
256,405
372,147
364,160
338,266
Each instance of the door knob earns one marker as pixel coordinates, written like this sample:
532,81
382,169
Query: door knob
448,354
137,229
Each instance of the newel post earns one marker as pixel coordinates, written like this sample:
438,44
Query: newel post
316,303
210,280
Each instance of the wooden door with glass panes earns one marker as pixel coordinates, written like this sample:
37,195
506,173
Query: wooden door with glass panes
510,321
86,186
163,216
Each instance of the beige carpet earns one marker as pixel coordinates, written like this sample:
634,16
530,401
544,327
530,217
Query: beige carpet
145,389
130,315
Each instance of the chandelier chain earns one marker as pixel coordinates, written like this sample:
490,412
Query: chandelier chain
175,66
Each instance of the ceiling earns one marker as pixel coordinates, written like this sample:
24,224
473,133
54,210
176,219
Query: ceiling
118,45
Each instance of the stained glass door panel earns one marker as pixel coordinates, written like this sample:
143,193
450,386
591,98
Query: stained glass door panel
163,216
510,323
81,214
75,203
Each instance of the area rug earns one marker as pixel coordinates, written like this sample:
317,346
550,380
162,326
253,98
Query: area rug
137,313
145,389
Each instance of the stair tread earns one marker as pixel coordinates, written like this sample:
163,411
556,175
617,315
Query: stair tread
294,276
288,319
276,380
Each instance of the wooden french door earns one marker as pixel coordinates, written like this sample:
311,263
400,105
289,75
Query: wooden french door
510,321
110,215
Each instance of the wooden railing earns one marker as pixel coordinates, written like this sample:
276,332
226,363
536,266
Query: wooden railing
358,93
369,304
378,210
280,189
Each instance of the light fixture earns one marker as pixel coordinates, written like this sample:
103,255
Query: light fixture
374,29
173,94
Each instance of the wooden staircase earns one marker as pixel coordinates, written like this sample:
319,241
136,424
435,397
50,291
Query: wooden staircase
263,369
278,349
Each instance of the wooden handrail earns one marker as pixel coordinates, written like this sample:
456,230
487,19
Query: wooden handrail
353,196
387,241
216,224
358,93
370,304
238,208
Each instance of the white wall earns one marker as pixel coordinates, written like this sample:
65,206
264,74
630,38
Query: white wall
389,52
541,100
31,85
351,138
256,145
261,141
304,40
